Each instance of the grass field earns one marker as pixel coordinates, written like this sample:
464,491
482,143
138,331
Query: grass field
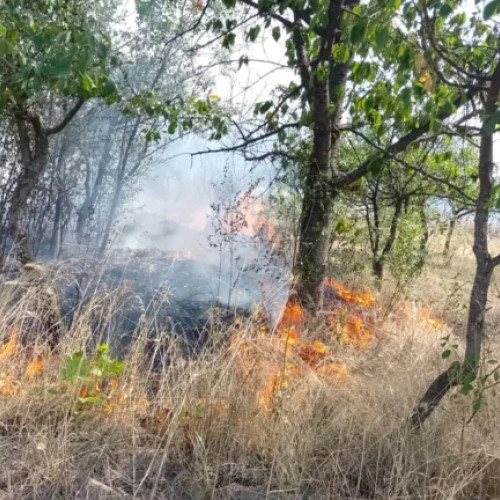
266,415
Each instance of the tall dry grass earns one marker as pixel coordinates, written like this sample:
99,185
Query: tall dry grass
195,429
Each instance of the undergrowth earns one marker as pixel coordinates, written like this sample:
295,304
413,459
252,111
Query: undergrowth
254,414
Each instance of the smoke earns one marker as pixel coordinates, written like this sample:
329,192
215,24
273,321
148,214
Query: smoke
207,209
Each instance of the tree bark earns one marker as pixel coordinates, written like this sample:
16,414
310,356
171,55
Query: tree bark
33,140
326,98
424,237
112,213
124,158
33,163
92,193
449,233
380,256
485,266
56,237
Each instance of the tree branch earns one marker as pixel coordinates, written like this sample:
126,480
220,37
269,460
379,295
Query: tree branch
407,165
65,121
399,146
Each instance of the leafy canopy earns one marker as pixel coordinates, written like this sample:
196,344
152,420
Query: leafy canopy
51,46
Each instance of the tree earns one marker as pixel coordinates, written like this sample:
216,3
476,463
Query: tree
469,62
80,175
343,52
422,176
51,62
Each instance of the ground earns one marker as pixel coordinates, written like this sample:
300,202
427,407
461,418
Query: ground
306,411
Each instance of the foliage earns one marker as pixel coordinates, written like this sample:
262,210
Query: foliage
407,256
89,374
51,46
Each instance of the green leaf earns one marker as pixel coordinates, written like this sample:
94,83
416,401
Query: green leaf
229,3
406,94
476,404
87,83
446,354
490,9
76,367
228,40
217,26
253,33
60,67
263,107
92,400
445,10
358,31
376,166
467,388
102,350
5,47
3,31
276,33
382,36
172,128
341,53
496,376
114,368
490,123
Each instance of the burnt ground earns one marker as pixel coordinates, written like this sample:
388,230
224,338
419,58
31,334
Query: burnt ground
174,296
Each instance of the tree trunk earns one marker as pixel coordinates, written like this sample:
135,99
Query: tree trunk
485,266
56,237
112,214
378,270
92,193
126,151
326,94
33,164
424,238
34,159
379,259
474,337
55,240
449,234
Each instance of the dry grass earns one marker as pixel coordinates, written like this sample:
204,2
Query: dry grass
196,429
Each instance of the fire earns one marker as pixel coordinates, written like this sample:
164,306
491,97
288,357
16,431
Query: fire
350,329
17,367
272,362
365,299
34,368
10,348
291,321
425,318
180,255
248,217
421,316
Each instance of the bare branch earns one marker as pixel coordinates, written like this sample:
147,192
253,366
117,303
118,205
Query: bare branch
65,121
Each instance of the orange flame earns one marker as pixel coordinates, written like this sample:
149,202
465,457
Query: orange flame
350,329
11,347
426,319
248,217
34,368
365,299
180,255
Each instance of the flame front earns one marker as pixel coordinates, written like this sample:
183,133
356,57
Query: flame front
269,362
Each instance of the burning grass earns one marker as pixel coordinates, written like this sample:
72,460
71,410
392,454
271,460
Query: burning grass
291,412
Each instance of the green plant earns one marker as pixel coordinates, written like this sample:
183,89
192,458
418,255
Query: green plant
91,374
